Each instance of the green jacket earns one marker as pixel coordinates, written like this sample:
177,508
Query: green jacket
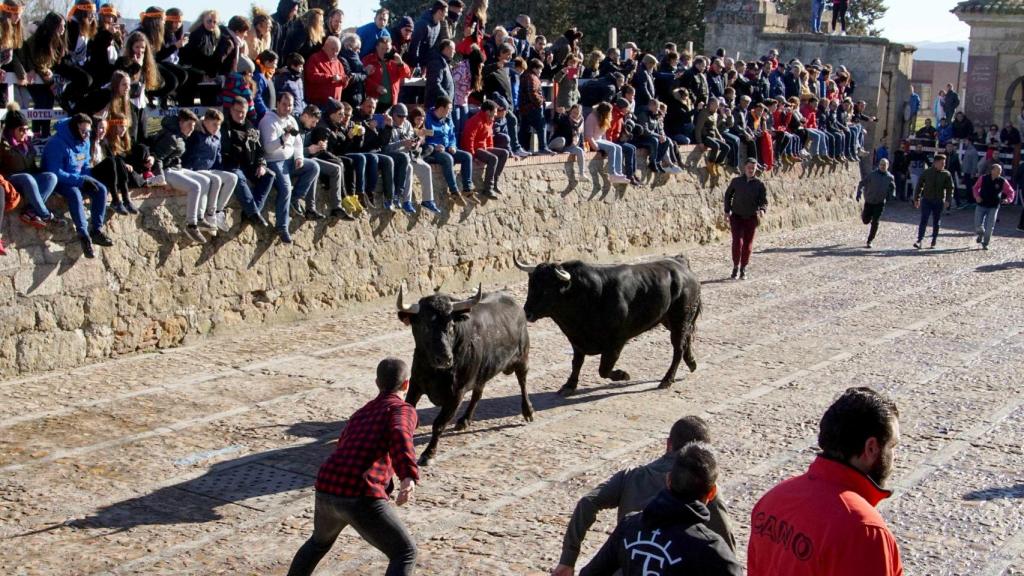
935,185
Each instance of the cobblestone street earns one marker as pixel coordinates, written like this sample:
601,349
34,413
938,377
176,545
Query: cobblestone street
201,459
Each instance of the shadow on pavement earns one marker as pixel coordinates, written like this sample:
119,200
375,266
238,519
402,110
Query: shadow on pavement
258,481
1006,492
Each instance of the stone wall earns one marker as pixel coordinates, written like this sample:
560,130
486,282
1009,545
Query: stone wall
155,289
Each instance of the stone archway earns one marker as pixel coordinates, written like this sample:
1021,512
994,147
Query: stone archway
1013,101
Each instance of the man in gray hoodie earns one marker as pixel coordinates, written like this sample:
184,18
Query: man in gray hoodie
876,187
632,489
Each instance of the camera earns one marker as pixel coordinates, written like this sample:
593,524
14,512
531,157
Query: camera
292,131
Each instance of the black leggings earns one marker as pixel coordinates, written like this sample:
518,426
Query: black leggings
839,13
113,173
172,76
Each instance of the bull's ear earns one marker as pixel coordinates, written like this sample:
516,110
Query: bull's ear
405,317
566,286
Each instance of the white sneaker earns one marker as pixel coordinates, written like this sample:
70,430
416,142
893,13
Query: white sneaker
209,221
673,169
584,178
522,154
618,179
158,180
222,222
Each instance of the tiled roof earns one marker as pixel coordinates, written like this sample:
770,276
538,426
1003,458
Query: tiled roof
990,7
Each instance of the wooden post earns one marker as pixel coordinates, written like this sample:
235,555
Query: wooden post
613,38
689,48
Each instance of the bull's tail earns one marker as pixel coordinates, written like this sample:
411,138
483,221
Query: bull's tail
691,333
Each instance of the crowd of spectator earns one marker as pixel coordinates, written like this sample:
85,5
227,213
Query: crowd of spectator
294,103
971,151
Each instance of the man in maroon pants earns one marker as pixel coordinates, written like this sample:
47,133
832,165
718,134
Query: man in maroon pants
745,203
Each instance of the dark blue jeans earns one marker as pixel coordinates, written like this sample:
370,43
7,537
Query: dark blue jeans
375,521
628,159
930,209
252,201
75,197
534,120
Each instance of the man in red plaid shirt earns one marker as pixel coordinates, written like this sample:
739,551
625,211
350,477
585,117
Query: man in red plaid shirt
355,483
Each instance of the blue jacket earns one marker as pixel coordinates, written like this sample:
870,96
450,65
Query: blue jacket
444,130
915,104
67,156
368,36
202,150
287,80
257,98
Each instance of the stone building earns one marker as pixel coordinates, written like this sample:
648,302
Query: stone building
931,76
995,63
881,68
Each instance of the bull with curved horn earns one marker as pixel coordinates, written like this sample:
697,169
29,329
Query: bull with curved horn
460,346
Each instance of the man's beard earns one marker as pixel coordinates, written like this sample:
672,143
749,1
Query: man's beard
882,469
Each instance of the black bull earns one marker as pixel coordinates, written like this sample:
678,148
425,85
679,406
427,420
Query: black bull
460,346
600,308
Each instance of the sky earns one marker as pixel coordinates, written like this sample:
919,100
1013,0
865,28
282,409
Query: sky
923,20
906,20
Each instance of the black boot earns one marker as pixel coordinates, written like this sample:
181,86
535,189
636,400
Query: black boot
87,249
735,272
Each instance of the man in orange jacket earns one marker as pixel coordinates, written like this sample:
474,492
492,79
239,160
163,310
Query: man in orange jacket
824,522
478,140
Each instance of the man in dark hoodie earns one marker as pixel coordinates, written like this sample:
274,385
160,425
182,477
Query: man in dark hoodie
425,35
285,18
242,155
670,537
354,70
439,74
631,489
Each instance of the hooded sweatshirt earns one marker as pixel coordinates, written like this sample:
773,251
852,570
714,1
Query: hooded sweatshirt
169,145
280,137
669,537
67,156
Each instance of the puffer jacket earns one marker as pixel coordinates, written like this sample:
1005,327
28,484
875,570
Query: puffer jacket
169,144
202,150
288,80
16,159
240,146
67,156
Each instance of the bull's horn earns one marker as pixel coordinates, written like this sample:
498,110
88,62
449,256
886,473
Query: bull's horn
414,309
464,305
562,274
524,267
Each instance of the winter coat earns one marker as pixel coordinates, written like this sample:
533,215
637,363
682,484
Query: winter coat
67,156
531,96
202,150
236,85
568,88
240,146
444,130
673,534
396,72
368,36
439,79
168,145
478,133
17,159
424,40
264,99
288,80
214,56
877,187
320,71
354,90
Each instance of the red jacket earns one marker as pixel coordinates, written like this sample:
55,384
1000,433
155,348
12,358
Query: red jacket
478,133
822,523
614,131
810,115
320,83
398,72
374,446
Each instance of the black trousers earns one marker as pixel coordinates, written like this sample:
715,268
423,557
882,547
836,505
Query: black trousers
113,173
870,215
374,519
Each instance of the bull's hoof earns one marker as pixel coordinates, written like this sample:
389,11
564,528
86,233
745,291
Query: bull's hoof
666,384
528,416
462,424
692,365
619,375
425,459
566,391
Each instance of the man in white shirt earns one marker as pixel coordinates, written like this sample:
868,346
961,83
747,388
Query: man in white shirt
282,145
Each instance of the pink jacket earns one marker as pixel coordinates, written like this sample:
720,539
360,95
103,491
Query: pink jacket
1008,193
